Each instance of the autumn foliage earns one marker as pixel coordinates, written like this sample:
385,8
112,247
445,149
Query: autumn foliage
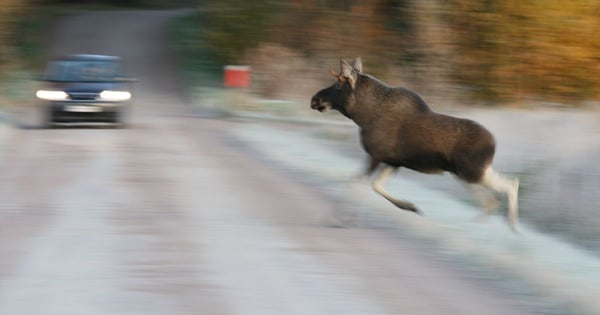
493,50
526,48
498,51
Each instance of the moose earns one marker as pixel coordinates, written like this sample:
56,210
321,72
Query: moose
398,129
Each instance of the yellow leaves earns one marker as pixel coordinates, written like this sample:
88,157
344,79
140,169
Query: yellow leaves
553,44
500,49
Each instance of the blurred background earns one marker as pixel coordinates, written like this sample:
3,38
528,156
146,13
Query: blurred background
528,70
508,53
458,54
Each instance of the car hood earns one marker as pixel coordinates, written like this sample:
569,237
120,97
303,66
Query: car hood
87,87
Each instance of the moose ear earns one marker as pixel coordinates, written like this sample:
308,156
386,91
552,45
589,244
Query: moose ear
349,72
357,65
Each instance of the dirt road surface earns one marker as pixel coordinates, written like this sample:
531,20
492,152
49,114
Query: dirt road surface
168,216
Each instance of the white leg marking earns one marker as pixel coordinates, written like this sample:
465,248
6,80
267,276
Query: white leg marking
488,200
385,173
493,180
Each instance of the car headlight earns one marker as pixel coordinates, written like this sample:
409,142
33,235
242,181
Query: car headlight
52,95
115,95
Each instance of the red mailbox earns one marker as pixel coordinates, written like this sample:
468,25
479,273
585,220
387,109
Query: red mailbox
237,76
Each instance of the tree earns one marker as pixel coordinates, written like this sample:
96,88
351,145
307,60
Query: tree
231,27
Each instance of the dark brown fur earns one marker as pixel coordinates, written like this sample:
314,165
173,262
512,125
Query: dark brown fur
399,129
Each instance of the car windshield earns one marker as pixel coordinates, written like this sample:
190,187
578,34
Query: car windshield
83,70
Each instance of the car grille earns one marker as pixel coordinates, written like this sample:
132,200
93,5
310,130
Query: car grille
83,96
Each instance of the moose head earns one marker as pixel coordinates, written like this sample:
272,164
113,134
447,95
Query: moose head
339,96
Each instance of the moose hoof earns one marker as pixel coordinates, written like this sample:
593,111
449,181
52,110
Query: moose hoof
513,226
480,218
408,207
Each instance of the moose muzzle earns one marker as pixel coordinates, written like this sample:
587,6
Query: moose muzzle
317,104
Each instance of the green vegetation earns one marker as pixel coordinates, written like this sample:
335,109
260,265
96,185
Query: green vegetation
311,28
111,4
507,51
200,64
232,26
23,32
497,51
12,13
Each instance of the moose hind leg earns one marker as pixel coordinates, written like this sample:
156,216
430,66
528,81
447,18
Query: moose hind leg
488,200
384,174
493,180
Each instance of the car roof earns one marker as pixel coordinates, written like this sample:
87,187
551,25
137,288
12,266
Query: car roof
89,57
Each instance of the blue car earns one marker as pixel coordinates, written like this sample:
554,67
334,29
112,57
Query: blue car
85,88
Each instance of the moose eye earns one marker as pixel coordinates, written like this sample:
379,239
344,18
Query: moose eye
339,85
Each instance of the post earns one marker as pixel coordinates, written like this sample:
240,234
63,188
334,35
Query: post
237,76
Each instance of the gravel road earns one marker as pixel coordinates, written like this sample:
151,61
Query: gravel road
169,216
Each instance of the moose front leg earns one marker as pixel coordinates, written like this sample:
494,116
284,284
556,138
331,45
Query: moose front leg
370,169
373,164
384,174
